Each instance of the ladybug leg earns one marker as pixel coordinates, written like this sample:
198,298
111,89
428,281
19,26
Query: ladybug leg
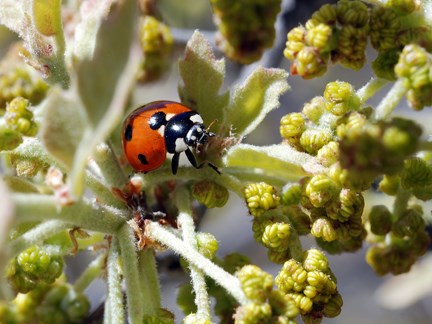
214,167
175,162
192,160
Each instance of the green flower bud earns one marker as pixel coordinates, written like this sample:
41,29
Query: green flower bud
319,36
255,282
323,228
380,220
282,304
351,47
309,63
420,98
341,98
260,197
328,154
383,66
409,224
292,125
291,274
321,281
291,194
334,306
314,139
325,14
19,117
310,291
384,26
416,173
403,7
423,193
9,138
295,42
304,303
207,245
379,258
314,109
253,313
353,13
75,305
320,190
210,194
350,203
157,44
389,184
314,259
276,236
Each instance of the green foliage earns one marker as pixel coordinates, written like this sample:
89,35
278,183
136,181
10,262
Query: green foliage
65,187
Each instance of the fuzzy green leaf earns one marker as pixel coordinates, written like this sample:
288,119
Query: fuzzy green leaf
202,77
277,160
62,126
254,99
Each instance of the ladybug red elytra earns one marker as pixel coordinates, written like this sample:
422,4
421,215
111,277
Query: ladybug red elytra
160,127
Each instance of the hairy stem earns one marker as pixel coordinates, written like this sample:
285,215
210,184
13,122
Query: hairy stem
371,88
390,101
149,280
109,166
230,283
134,296
187,226
114,301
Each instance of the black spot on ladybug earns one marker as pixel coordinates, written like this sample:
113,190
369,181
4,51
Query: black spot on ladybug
142,158
128,133
157,120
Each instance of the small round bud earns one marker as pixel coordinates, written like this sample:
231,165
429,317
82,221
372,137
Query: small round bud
416,173
309,63
283,304
304,303
253,313
292,125
19,117
380,220
276,236
325,14
210,194
320,190
384,27
295,42
291,194
314,259
319,36
354,13
314,139
328,154
255,282
334,306
389,184
341,98
314,108
383,66
323,228
260,197
403,7
292,273
207,245
409,224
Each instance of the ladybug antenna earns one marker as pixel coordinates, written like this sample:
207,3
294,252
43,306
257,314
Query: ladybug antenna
209,126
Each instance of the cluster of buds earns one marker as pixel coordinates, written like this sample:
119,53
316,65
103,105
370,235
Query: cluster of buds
32,268
399,239
246,28
312,286
157,45
339,33
267,305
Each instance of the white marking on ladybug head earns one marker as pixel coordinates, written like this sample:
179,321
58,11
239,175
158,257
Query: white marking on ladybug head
196,119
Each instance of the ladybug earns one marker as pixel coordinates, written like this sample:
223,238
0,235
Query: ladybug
157,128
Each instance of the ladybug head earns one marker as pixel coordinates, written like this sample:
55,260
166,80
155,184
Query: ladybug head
197,135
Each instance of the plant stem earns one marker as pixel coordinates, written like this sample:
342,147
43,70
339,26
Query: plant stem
187,226
370,88
390,101
401,202
88,216
37,234
230,283
92,271
134,295
109,166
102,192
149,280
114,301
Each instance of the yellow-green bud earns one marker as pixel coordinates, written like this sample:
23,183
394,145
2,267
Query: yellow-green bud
210,194
379,258
260,197
304,303
353,13
276,236
350,203
291,273
323,228
255,282
283,304
291,194
410,223
314,108
389,184
253,313
404,7
383,65
292,125
319,36
314,139
309,64
310,291
341,98
328,154
416,173
9,138
320,190
384,27
47,16
295,42
321,281
380,220
314,259
334,306
207,245
19,117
